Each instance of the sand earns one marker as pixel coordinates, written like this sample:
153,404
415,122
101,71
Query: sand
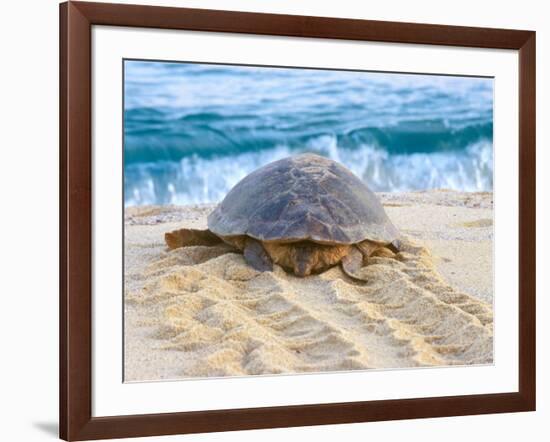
202,312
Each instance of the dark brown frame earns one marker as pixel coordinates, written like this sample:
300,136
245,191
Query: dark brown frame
76,20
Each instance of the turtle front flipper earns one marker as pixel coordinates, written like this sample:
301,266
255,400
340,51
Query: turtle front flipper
256,256
395,246
370,248
352,263
367,247
190,237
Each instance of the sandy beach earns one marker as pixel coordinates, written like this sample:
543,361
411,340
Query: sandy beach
202,312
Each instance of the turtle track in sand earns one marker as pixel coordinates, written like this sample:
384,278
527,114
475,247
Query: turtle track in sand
215,316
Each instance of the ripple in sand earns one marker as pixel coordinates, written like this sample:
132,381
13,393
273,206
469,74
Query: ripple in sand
225,319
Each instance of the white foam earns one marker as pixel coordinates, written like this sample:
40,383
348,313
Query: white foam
201,180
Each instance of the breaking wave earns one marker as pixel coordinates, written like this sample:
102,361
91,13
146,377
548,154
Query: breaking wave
195,179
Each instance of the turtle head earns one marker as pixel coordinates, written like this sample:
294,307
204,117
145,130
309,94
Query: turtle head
304,258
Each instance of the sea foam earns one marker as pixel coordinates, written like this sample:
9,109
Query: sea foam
204,180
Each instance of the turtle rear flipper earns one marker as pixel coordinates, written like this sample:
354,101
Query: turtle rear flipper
190,237
352,263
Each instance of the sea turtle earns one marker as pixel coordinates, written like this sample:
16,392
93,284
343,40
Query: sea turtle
305,213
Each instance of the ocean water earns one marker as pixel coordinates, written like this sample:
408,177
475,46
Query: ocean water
192,131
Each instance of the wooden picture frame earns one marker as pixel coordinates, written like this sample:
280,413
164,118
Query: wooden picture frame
76,21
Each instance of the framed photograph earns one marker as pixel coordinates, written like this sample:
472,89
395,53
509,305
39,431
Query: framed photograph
274,220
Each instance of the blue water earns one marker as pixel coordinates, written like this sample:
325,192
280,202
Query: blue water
192,131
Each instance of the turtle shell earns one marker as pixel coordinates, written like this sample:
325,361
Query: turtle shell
303,197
